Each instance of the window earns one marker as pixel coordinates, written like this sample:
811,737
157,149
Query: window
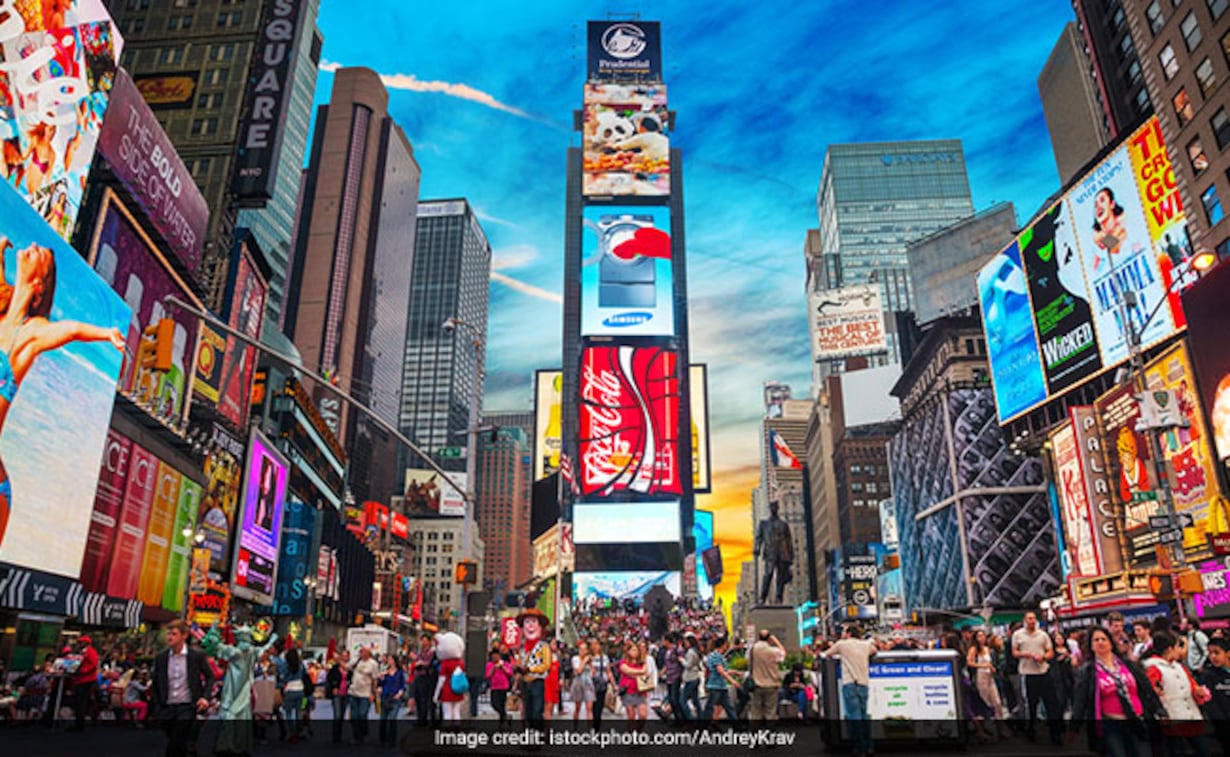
855,470
135,4
1154,14
1133,73
1183,107
1195,154
871,470
171,55
871,487
222,52
1118,19
1126,48
234,18
136,25
1212,205
857,486
1190,29
1221,128
1216,8
1205,77
1170,64
858,502
1142,101
1223,249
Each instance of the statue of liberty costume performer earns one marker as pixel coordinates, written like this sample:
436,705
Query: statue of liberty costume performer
236,699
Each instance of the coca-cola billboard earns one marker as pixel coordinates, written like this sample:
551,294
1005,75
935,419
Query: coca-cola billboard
629,421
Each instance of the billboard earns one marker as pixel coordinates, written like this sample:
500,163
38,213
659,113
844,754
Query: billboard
1186,451
216,518
293,566
158,535
56,392
248,292
629,422
548,436
702,530
144,160
1098,487
623,584
698,409
175,90
620,50
1080,539
599,523
1119,228
846,322
1012,345
1132,473
178,564
1208,312
1061,311
105,520
259,144
625,147
264,497
627,282
59,63
129,551
427,492
131,264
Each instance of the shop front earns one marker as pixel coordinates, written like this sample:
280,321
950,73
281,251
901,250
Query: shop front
34,606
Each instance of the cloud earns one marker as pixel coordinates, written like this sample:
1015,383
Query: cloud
411,83
527,289
515,256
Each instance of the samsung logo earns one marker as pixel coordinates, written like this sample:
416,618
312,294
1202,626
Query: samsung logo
626,320
919,157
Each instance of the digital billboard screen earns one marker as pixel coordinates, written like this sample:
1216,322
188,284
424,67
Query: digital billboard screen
60,60
1098,487
1208,312
698,410
1012,345
624,50
633,584
629,422
548,435
600,523
1080,539
264,497
219,501
427,492
131,264
702,530
627,281
1132,473
626,150
56,393
248,292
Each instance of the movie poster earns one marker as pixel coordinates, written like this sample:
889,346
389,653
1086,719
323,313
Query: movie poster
1012,345
57,397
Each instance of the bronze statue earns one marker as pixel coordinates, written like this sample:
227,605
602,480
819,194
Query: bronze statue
775,548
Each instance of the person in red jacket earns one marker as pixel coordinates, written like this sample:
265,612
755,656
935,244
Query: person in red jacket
85,680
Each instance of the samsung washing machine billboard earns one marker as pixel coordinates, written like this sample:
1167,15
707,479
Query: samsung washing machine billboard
627,287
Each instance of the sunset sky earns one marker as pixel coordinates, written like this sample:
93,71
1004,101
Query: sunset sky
485,93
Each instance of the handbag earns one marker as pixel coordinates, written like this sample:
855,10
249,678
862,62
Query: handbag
748,685
612,700
513,703
458,682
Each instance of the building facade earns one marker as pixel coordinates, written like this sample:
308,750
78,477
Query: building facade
1116,65
944,265
443,371
351,279
876,197
503,508
1184,50
860,467
437,546
1070,102
192,60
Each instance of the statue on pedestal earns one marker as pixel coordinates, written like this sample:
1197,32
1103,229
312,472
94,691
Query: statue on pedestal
775,548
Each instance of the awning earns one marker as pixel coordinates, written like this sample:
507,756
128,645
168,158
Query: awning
112,612
33,590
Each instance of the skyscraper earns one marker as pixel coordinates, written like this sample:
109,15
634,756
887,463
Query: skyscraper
193,61
503,507
443,368
1074,116
873,199
1115,62
351,279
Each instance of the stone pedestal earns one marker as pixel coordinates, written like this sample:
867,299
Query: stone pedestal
781,620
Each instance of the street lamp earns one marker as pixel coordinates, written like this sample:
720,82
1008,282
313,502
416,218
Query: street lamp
451,326
1200,262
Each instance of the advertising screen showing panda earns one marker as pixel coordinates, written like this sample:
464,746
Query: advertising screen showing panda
626,148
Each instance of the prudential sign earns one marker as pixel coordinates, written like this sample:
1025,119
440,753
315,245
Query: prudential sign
625,50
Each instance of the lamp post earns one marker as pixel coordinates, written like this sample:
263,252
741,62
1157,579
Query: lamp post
1200,262
451,326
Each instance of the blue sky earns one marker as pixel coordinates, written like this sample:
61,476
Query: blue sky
485,94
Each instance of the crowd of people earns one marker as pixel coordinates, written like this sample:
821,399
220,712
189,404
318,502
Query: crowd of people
1130,687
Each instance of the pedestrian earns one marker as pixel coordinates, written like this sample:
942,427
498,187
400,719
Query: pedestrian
1119,635
1197,645
337,685
634,685
182,683
1181,697
764,666
672,675
1063,670
582,692
1216,678
689,703
1144,639
426,672
362,692
855,654
500,676
979,660
85,682
718,681
604,679
135,697
553,684
1033,649
293,692
392,694
795,689
1114,697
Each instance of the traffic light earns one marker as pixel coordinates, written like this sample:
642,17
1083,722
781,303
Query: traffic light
1161,585
466,572
1190,582
158,346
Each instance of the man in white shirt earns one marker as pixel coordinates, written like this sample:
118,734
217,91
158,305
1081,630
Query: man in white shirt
1032,648
855,654
764,657
362,691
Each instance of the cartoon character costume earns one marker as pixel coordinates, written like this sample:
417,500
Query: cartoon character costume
451,652
533,663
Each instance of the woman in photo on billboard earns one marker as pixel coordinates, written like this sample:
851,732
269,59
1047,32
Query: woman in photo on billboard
26,332
265,499
1109,231
1114,697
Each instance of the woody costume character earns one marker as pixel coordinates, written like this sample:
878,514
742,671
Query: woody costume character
533,664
